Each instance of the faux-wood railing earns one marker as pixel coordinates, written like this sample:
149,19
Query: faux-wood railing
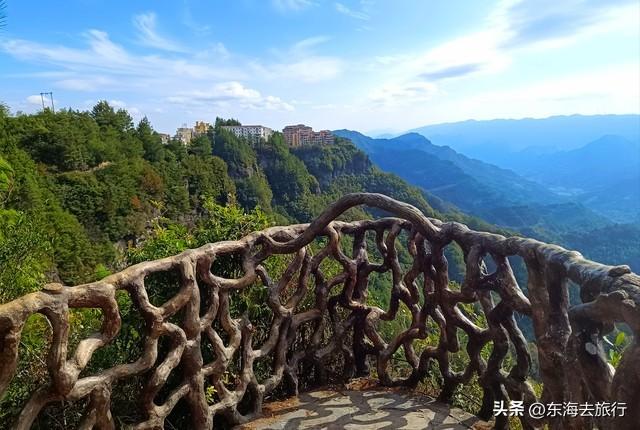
572,364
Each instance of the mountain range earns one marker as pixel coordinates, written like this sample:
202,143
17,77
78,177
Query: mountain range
496,141
594,160
497,195
570,188
604,175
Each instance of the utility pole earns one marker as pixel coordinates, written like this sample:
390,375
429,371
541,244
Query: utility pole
50,95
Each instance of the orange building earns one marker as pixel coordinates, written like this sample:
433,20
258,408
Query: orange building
201,127
301,135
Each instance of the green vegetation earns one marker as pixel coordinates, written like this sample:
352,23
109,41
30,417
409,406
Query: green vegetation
80,189
84,194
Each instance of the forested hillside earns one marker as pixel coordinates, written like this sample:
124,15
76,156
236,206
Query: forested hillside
78,189
84,194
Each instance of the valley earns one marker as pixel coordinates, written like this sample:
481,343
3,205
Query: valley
574,197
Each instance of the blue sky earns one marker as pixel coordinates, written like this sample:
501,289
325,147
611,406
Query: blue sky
370,65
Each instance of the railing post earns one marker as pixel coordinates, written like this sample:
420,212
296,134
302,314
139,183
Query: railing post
359,347
192,356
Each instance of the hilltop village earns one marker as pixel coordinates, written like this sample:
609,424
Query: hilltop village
294,135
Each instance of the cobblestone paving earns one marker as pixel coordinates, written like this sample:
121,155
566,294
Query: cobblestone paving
362,410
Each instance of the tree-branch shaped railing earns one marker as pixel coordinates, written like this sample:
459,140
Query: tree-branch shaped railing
568,337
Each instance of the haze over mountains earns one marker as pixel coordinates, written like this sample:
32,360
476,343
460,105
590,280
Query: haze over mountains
558,178
497,195
497,141
604,175
591,159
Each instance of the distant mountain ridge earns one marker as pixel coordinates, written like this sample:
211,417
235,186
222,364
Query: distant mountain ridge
504,198
496,140
594,159
474,186
596,165
604,175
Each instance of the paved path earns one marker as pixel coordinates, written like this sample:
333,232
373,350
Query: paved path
371,409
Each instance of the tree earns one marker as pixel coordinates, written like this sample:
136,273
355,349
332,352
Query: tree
222,122
6,179
254,192
177,149
207,178
106,116
151,143
200,146
288,176
241,159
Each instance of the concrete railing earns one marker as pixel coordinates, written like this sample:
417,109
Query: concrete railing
316,316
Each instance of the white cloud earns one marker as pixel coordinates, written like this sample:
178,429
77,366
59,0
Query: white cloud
387,59
118,104
463,56
415,77
101,53
608,90
448,80
191,23
305,44
556,23
225,93
104,47
295,5
300,63
104,66
512,28
36,99
357,14
403,94
87,83
310,70
220,49
148,35
275,103
107,63
215,52
135,112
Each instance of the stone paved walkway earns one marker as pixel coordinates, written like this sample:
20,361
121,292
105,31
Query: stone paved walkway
371,409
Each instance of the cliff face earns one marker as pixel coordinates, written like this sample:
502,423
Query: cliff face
328,162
